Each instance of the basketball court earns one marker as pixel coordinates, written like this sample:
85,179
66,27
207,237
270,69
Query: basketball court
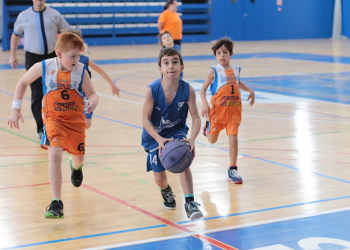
293,158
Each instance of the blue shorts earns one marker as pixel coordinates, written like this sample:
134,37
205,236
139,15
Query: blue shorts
153,162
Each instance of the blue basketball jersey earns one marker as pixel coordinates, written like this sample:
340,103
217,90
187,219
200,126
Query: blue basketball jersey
85,60
167,119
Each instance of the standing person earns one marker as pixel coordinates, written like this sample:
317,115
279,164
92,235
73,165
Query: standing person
226,106
64,79
169,20
84,59
39,25
165,110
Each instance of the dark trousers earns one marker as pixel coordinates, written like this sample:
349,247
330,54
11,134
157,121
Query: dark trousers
178,42
37,88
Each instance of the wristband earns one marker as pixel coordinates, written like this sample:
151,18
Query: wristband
17,104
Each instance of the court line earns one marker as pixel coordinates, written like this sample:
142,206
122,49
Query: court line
221,229
169,223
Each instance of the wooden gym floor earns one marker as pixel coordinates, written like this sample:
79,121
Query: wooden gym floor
293,156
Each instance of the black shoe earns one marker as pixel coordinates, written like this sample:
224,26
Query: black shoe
193,211
54,210
168,198
76,175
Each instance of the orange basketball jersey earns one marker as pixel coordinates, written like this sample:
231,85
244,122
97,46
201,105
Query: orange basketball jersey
63,108
62,92
226,100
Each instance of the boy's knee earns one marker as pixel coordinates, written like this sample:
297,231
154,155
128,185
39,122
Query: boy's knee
212,139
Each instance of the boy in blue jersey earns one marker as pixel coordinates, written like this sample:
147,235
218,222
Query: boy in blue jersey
165,110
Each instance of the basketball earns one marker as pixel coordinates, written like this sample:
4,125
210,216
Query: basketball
176,157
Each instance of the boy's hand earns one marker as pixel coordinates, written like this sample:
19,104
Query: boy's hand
91,105
251,97
192,146
161,144
13,62
14,117
205,110
115,90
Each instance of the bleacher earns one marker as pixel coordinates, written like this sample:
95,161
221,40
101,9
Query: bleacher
106,22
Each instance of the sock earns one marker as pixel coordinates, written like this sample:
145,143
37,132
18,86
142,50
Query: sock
189,197
167,189
233,167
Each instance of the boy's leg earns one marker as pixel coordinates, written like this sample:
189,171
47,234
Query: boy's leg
76,165
191,206
55,209
233,153
211,135
161,180
55,171
88,123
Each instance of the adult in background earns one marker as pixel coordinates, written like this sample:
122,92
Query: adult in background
170,21
40,25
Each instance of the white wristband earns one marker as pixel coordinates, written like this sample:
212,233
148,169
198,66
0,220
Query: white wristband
17,104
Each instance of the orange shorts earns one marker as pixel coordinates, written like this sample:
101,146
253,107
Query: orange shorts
69,136
231,129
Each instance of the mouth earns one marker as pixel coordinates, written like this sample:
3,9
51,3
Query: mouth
73,64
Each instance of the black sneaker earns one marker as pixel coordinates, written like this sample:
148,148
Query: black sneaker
192,210
76,175
54,210
168,198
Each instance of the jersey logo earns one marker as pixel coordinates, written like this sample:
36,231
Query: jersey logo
179,105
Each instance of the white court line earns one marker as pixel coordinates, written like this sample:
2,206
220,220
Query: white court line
220,229
118,99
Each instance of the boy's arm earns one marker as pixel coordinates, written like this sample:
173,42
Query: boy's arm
105,76
90,93
207,82
146,120
30,76
196,120
251,96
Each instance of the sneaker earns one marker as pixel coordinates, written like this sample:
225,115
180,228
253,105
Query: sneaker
192,210
54,210
168,198
76,175
234,177
206,128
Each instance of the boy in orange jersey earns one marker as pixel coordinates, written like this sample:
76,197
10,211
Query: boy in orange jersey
64,79
226,106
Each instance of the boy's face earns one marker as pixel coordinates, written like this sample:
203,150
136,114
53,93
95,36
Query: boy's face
69,58
167,40
223,56
171,67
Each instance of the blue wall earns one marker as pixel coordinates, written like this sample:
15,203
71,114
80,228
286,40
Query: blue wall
346,18
261,20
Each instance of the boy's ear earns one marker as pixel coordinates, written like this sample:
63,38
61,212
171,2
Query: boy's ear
59,53
160,69
182,67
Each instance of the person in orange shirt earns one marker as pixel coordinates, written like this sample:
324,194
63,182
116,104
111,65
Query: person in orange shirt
170,21
64,79
226,106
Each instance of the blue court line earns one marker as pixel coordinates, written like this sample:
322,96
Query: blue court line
283,55
12,94
182,222
267,209
84,237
